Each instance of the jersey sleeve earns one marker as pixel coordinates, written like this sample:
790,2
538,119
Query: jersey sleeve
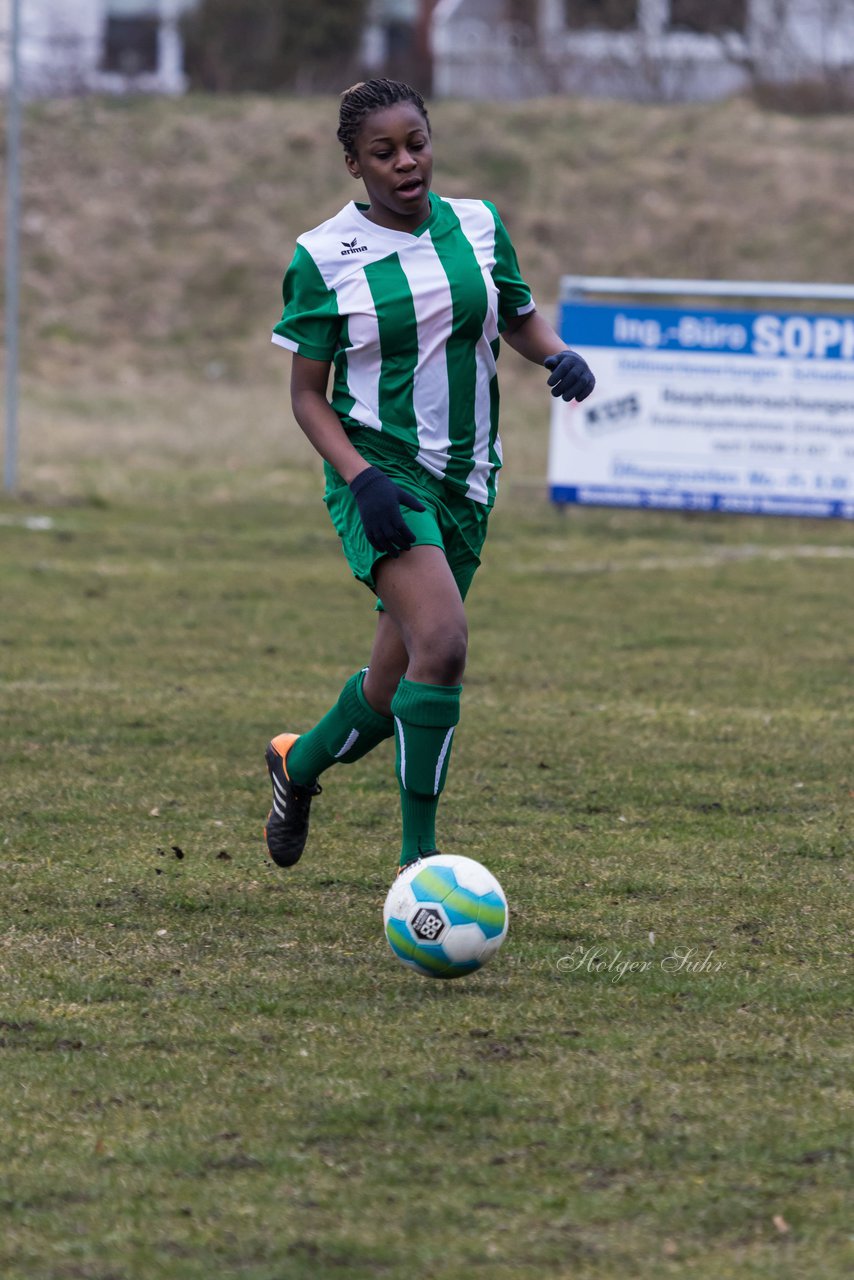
514,295
310,323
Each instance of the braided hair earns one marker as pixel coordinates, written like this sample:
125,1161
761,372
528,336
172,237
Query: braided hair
361,99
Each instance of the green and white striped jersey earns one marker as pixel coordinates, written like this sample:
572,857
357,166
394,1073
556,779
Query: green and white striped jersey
411,322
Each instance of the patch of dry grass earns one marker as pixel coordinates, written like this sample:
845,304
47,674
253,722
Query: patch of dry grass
156,232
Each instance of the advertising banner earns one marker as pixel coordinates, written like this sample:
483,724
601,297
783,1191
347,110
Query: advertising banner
710,410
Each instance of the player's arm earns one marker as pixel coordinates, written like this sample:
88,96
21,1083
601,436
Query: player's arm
378,498
318,420
535,339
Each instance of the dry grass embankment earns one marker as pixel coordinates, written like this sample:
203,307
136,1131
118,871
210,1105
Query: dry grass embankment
156,232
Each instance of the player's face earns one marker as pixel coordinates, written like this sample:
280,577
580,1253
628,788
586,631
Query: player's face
394,159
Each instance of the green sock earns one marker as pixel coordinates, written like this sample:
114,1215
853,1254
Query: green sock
347,732
425,716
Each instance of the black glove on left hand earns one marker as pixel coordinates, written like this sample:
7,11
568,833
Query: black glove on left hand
571,376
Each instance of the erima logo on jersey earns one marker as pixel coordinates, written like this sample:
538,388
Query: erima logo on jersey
350,246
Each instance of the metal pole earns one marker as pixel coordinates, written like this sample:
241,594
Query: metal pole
13,208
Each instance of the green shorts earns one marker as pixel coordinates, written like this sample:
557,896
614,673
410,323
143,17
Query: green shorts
450,521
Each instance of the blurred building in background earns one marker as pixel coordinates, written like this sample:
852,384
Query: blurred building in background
661,50
398,42
113,46
653,50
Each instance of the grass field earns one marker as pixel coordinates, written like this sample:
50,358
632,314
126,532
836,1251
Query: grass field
210,1067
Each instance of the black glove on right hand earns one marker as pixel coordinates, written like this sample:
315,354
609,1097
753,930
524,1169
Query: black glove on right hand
379,500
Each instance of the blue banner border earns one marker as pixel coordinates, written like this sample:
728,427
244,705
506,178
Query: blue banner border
600,495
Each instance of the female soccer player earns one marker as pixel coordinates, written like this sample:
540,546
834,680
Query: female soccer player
404,297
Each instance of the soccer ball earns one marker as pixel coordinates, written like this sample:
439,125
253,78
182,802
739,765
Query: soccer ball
445,916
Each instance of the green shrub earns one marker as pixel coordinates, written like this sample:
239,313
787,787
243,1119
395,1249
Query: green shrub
267,46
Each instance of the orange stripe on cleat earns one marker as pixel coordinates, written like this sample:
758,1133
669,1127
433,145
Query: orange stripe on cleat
282,744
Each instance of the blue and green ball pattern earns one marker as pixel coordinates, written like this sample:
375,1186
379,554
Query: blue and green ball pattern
445,916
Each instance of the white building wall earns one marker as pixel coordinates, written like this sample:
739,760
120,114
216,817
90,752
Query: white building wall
59,43
474,56
478,55
62,44
804,37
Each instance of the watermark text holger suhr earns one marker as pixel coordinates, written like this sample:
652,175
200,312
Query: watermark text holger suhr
615,964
